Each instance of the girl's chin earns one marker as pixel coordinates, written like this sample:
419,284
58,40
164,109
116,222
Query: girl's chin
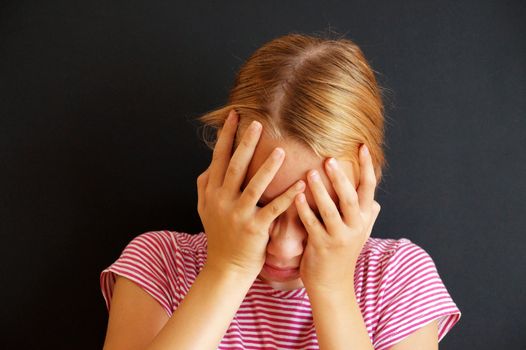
282,283
285,286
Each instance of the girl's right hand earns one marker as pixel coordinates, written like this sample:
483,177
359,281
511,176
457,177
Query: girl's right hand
237,229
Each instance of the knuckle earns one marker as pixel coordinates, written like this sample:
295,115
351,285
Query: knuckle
222,205
250,227
327,213
341,241
340,178
245,141
251,192
275,209
291,196
311,221
236,217
371,179
269,169
350,200
234,169
216,156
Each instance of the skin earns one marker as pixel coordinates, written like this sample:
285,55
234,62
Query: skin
327,260
288,235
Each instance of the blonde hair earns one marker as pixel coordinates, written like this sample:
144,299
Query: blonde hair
318,91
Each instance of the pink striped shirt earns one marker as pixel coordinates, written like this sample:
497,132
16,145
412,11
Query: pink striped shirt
396,282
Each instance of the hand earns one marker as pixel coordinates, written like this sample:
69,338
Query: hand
333,247
237,230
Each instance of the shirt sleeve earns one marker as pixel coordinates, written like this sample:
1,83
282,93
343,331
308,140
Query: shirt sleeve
143,262
413,296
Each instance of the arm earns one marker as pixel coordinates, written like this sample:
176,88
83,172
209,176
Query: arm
137,321
135,316
339,325
338,321
203,317
425,337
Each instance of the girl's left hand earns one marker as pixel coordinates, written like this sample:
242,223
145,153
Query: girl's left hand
333,247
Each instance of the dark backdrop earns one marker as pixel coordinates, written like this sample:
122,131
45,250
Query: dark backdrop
99,143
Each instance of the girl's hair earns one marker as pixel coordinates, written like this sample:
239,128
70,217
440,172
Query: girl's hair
317,91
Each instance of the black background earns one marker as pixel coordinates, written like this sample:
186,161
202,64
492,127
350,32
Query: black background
99,143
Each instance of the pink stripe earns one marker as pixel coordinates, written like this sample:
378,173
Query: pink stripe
293,326
397,286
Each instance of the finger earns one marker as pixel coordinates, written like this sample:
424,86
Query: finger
367,179
223,150
272,210
328,211
202,181
237,168
313,226
374,216
261,179
348,198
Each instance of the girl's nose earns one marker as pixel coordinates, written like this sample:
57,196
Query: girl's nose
287,240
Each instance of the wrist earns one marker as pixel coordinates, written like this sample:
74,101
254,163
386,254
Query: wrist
331,293
230,273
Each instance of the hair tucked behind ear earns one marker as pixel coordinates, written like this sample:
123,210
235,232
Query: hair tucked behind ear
318,91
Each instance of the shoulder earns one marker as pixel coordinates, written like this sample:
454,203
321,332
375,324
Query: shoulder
382,246
385,261
376,245
393,250
383,252
407,292
167,242
164,263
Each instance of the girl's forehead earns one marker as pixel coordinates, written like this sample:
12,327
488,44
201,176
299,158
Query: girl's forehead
295,166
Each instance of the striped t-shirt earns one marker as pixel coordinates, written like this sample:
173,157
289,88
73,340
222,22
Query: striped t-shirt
396,283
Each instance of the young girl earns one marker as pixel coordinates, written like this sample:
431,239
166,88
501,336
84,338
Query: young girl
286,260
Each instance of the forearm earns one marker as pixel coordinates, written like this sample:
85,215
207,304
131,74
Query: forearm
338,321
203,317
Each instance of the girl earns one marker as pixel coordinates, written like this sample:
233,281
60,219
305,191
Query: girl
286,260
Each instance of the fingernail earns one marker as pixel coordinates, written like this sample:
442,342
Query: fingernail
255,125
277,153
232,116
314,175
300,185
365,150
333,164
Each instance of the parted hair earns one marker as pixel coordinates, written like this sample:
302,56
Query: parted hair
315,90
